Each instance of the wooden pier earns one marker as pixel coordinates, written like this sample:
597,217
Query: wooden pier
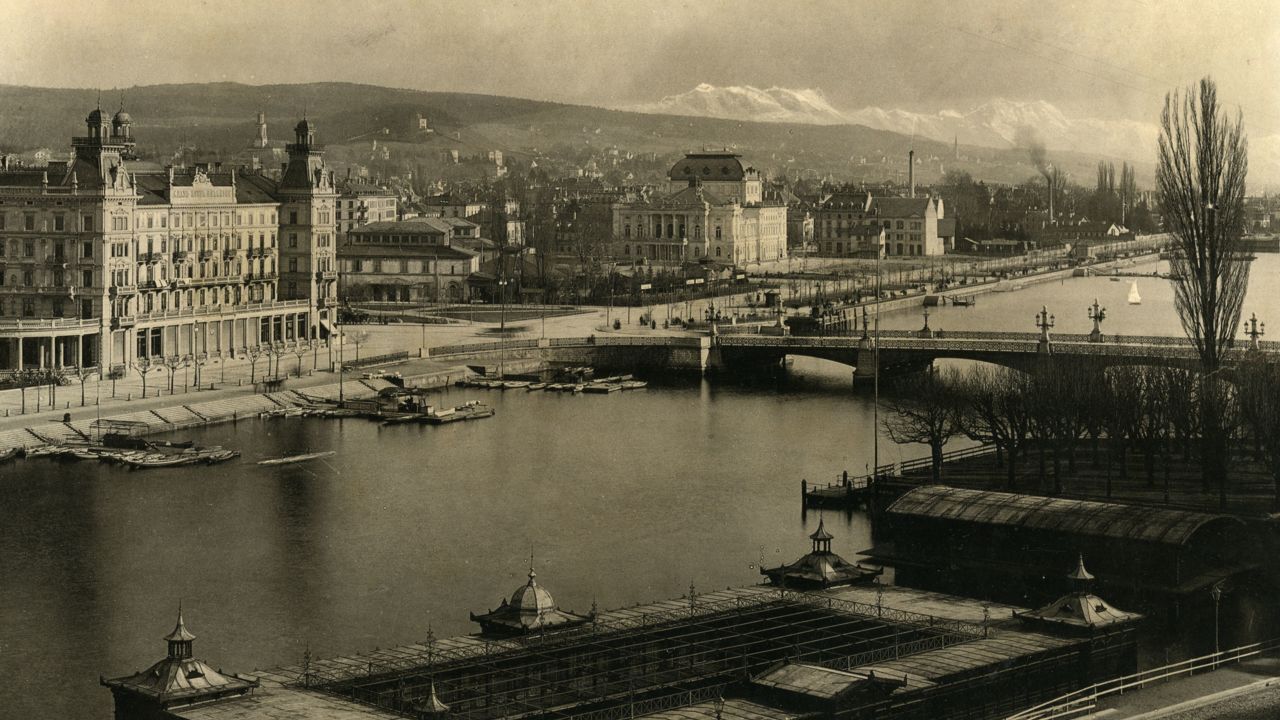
853,491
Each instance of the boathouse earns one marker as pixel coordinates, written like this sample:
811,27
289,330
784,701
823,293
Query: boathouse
820,568
850,652
1004,546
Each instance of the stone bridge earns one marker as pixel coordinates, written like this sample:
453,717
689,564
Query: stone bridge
904,351
900,351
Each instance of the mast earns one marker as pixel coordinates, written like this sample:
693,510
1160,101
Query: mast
875,361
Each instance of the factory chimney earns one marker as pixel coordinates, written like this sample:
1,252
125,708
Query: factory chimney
911,171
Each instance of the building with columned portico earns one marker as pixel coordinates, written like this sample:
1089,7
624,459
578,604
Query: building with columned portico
714,208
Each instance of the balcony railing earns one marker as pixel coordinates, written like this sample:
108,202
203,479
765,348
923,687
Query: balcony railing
123,321
181,255
230,254
229,310
327,275
48,323
149,257
208,254
124,289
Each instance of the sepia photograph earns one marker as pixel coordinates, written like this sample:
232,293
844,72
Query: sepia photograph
639,360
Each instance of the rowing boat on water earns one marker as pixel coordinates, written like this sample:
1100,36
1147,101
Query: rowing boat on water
288,459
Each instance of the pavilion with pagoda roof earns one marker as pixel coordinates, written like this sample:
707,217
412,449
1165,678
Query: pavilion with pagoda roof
1079,611
176,681
531,609
821,568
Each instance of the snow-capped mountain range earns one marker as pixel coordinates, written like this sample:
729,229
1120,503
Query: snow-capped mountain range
744,102
995,123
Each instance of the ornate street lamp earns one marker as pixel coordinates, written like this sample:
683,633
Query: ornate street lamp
1045,322
1097,315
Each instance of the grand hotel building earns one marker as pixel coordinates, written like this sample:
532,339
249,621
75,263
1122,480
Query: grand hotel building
105,260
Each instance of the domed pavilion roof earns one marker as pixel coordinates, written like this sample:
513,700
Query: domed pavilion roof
530,608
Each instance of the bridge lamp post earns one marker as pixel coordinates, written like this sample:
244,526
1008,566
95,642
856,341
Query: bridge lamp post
1044,321
1254,330
1097,315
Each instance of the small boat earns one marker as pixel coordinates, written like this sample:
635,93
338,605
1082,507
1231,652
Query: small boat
9,454
515,384
964,301
538,386
1134,297
634,384
289,459
601,388
402,419
577,388
1114,279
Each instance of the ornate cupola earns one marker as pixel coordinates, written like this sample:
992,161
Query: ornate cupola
820,568
177,680
180,640
304,134
1079,611
531,608
821,539
97,125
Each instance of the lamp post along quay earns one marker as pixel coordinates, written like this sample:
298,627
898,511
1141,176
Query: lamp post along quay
1255,330
1097,315
1045,322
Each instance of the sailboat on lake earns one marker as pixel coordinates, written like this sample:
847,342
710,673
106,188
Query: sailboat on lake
1134,297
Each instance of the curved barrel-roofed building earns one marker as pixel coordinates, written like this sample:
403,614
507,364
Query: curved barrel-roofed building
955,538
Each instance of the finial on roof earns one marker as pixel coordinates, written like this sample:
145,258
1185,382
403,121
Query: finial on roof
1080,574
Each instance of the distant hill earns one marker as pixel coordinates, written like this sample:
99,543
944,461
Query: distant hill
219,119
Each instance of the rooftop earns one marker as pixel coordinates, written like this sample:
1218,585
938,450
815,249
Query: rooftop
1081,517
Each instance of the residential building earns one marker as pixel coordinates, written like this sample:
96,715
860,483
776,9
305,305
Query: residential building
714,208
360,202
108,262
407,261
451,205
910,224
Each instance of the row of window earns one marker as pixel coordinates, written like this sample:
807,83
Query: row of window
29,222
410,267
27,278
163,300
58,307
55,250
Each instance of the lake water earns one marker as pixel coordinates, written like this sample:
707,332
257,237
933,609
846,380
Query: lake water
620,499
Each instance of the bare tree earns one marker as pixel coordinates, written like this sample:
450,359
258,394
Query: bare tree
1123,414
143,366
359,337
1260,407
1200,178
923,410
992,408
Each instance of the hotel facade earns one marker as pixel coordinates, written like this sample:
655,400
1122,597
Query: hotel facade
106,261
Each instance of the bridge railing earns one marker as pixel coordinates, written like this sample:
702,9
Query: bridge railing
1085,700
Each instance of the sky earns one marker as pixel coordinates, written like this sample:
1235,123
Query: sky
1113,59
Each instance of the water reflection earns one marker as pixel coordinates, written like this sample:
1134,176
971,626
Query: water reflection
620,499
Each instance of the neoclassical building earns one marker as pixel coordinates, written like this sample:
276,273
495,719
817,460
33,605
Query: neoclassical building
713,207
105,260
